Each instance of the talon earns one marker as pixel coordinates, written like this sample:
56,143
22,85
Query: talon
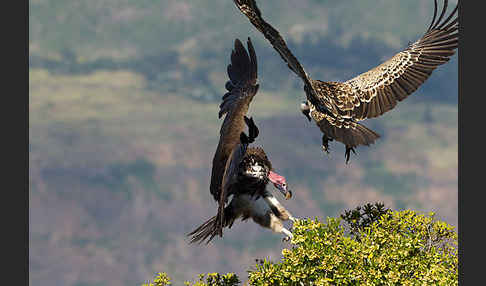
325,143
324,149
347,153
288,234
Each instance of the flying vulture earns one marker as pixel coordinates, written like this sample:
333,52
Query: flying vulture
337,107
241,171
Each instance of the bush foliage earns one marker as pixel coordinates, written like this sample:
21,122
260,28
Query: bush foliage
212,279
370,245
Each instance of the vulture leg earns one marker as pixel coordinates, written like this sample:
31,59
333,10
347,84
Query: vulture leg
288,233
325,143
278,209
347,153
269,213
280,212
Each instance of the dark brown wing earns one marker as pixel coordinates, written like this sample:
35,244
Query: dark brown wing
250,9
377,91
214,226
231,171
229,178
241,87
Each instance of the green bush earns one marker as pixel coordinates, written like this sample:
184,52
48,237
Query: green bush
367,246
161,279
212,279
398,248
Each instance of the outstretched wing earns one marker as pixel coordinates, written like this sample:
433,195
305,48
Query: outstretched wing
250,9
241,87
377,91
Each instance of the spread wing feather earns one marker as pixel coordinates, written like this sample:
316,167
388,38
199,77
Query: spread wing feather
250,9
242,87
377,91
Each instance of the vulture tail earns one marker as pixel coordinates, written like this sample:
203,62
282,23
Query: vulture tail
209,229
360,135
353,136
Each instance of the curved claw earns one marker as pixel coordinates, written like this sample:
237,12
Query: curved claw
326,150
252,129
288,234
348,152
325,143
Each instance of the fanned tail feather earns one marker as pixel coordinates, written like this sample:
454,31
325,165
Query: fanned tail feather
362,135
357,134
212,227
207,229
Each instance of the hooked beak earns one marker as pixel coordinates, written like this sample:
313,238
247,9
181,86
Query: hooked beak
279,183
284,190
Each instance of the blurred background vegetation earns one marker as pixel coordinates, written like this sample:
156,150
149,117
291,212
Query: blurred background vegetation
123,101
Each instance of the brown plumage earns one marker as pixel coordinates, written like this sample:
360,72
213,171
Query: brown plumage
241,87
265,210
239,170
337,107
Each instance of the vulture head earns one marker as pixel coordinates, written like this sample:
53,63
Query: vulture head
256,166
304,107
280,183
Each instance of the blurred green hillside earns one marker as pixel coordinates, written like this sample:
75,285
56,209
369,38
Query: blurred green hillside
123,101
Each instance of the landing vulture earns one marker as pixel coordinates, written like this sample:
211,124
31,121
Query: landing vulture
241,171
337,107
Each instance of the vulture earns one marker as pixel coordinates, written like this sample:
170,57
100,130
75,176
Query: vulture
338,107
238,170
